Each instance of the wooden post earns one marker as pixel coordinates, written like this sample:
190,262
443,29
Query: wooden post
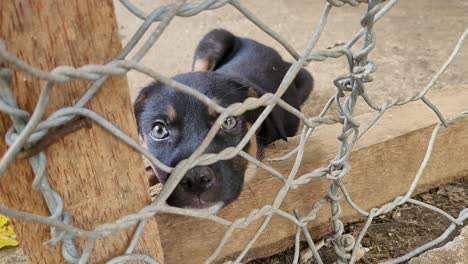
100,178
383,165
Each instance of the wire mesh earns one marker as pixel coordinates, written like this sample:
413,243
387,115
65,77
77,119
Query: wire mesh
28,128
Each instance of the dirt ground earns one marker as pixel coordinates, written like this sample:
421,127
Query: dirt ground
413,40
398,232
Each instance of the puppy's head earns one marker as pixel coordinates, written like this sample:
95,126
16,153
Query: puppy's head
173,125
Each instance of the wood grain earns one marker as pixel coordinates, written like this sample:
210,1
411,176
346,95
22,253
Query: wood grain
383,165
100,178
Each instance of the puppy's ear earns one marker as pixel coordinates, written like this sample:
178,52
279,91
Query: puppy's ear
215,49
273,128
304,84
139,104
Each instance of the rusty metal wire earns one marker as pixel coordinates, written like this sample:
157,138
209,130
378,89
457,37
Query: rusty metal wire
28,129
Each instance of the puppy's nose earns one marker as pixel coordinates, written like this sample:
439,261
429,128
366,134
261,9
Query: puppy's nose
198,179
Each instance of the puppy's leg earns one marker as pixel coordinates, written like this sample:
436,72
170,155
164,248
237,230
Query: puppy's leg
215,49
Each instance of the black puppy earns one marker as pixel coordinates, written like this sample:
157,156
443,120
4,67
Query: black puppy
227,69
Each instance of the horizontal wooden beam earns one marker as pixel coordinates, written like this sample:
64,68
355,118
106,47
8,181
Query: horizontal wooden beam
383,165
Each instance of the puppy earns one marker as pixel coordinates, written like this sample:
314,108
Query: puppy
227,69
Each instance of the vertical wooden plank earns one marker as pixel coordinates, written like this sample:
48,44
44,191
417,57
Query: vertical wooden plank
99,177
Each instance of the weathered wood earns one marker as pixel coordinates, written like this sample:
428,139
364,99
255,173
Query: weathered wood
383,164
100,178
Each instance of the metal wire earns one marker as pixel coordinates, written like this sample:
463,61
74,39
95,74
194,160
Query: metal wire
27,129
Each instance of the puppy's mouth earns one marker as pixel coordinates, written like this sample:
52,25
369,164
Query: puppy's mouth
205,207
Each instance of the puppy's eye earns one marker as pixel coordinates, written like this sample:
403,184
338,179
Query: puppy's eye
229,123
159,131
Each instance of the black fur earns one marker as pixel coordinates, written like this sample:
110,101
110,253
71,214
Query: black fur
232,69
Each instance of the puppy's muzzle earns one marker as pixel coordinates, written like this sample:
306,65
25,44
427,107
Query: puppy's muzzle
198,180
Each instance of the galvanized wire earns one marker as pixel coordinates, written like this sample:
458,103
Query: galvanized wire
27,129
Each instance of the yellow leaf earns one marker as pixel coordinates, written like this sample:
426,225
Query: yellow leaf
7,234
3,220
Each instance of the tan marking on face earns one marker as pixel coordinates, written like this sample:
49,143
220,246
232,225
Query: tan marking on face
201,65
152,177
171,112
252,93
251,149
151,172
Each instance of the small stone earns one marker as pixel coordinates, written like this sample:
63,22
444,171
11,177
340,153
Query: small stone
454,252
396,214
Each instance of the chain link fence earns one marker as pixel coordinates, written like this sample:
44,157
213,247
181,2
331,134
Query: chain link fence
27,129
